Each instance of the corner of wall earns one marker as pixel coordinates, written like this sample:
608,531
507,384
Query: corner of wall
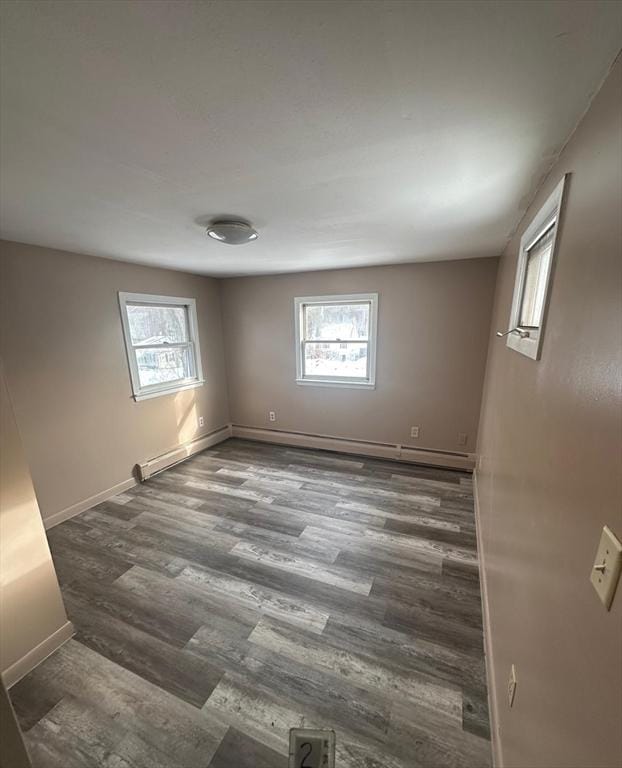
493,705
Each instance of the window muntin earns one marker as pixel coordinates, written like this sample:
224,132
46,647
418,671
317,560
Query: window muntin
162,343
335,339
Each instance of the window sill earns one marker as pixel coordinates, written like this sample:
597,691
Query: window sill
341,384
529,347
167,390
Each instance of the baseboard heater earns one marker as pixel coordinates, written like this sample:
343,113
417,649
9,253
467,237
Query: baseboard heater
181,453
394,451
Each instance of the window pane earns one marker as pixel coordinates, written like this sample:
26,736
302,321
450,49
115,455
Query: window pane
336,359
150,324
159,366
336,321
534,289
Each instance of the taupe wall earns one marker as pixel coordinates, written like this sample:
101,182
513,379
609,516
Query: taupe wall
551,455
62,343
433,324
31,606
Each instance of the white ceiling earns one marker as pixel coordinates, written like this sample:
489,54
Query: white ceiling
349,133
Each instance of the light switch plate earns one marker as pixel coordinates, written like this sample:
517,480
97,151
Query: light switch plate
607,566
311,748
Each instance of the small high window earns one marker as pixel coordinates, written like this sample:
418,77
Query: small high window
533,277
162,343
336,340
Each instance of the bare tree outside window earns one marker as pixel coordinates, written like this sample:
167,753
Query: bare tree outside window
161,341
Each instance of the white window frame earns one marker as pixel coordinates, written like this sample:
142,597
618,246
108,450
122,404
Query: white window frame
157,390
528,340
352,382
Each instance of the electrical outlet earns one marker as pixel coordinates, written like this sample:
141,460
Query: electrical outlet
414,431
272,415
512,686
462,438
201,421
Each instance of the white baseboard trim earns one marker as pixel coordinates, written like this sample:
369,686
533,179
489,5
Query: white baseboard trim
39,653
91,501
152,466
493,705
183,452
408,454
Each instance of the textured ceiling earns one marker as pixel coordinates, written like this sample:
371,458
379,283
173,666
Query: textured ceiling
349,133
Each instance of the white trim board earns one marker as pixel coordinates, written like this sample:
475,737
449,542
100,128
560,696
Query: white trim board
393,451
493,705
91,501
157,464
36,655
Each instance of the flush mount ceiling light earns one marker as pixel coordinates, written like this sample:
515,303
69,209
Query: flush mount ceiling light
232,232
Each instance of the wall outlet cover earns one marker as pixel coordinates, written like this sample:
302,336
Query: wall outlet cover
414,431
272,415
201,421
607,566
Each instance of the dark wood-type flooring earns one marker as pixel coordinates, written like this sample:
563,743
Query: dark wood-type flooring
257,588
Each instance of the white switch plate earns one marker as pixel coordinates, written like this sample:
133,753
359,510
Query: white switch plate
607,566
272,415
512,686
414,431
311,748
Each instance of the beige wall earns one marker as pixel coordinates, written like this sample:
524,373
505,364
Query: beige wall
62,343
31,606
550,477
433,323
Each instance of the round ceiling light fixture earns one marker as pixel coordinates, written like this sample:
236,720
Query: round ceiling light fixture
232,232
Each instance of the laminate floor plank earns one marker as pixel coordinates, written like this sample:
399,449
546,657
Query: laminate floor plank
296,587
338,577
266,715
145,610
255,588
400,651
239,750
366,673
110,696
425,739
75,562
187,606
174,669
128,552
264,599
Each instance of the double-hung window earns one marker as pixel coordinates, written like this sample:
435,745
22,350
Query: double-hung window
336,340
533,277
162,343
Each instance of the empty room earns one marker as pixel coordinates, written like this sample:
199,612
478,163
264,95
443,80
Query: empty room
310,384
